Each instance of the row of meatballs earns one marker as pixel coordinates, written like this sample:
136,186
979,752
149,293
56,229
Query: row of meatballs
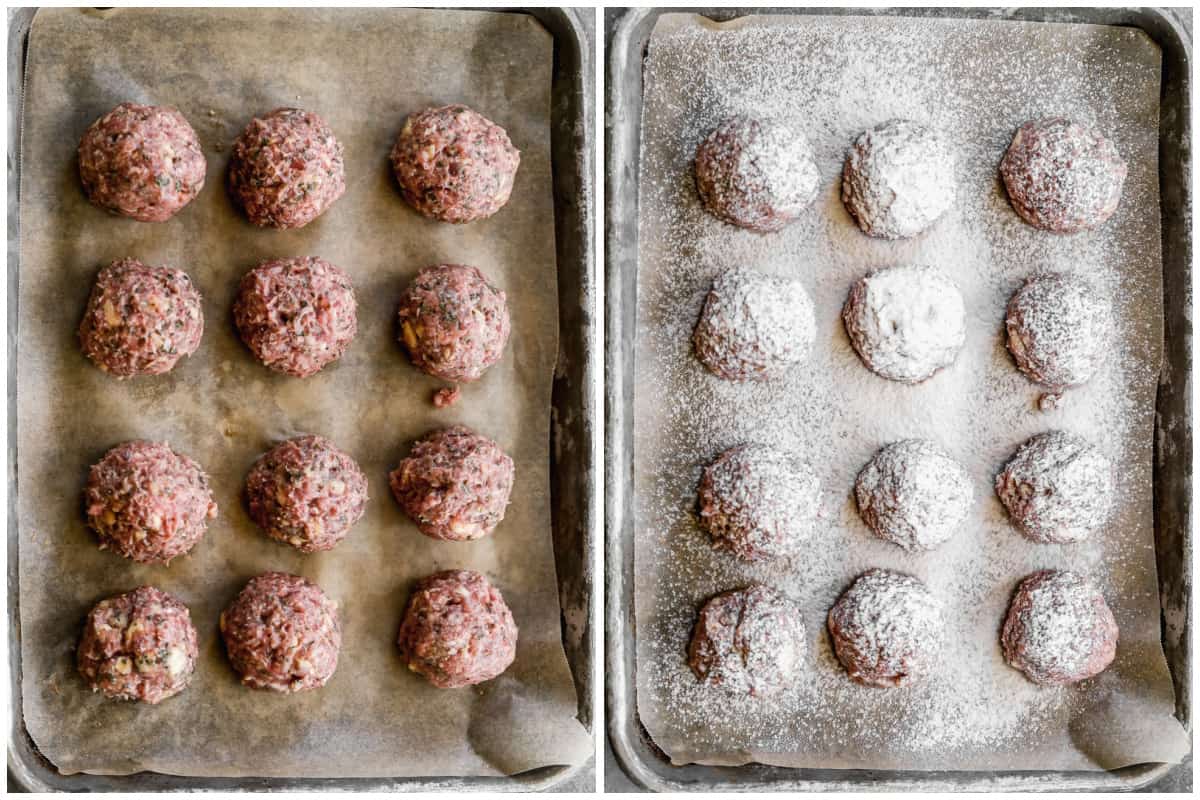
287,168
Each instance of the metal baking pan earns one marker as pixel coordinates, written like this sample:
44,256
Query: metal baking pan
627,35
573,414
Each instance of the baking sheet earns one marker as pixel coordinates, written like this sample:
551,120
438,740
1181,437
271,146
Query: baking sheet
363,71
834,77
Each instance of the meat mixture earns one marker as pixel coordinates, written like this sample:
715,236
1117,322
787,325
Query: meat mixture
307,493
140,645
287,169
887,629
457,630
141,320
748,642
147,502
453,322
1058,629
756,174
282,633
296,314
1060,330
142,162
453,164
454,484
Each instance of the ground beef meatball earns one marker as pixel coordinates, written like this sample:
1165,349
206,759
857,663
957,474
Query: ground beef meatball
296,314
282,633
906,322
457,630
898,179
453,322
1058,629
1060,330
141,320
287,169
1057,488
307,493
754,326
748,642
759,502
756,174
453,164
143,162
887,629
140,645
454,484
147,502
1062,177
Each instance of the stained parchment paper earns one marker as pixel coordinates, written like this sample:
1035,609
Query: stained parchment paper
363,71
976,81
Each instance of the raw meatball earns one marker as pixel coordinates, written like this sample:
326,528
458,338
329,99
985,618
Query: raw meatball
454,164
453,323
756,174
296,314
1057,488
748,642
147,502
143,162
887,629
140,645
454,484
1058,629
307,493
1062,177
759,502
906,322
1059,330
754,326
287,169
914,494
898,179
282,633
457,630
141,320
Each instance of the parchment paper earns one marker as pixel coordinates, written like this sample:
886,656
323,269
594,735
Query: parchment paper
363,71
832,78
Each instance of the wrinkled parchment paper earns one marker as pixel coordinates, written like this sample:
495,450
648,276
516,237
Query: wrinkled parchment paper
363,71
976,81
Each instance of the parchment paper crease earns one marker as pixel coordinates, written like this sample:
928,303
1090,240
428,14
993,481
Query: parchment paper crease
976,81
363,71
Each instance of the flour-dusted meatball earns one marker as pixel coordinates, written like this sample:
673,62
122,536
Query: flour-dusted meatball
1060,330
307,493
282,633
1057,488
142,162
906,322
887,629
1058,629
457,630
1061,176
140,320
287,169
759,502
899,178
296,315
147,502
454,484
453,322
756,174
140,645
748,642
914,494
454,164
754,326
